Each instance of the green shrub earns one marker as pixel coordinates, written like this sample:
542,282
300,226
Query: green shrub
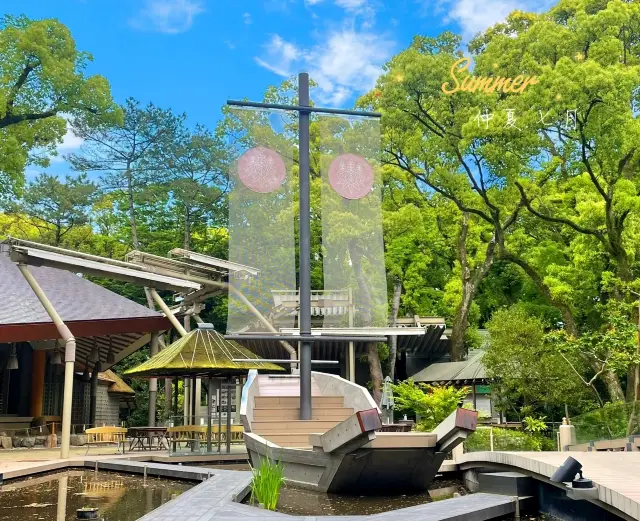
507,440
267,481
430,403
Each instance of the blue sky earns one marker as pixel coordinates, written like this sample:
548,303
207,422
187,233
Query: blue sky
191,55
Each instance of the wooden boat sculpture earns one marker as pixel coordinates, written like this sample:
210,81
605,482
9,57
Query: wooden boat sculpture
340,448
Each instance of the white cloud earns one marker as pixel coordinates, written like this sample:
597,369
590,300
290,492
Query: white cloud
167,16
351,5
280,56
347,63
474,16
70,142
247,18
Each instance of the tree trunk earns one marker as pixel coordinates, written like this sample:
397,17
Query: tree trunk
132,210
470,282
393,344
614,388
375,370
187,231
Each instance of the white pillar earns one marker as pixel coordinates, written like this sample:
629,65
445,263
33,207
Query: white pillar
567,435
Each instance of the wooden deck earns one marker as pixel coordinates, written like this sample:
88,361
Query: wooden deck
617,474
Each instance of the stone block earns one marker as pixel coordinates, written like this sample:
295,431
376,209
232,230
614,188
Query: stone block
39,440
5,442
78,440
16,441
28,442
506,483
51,441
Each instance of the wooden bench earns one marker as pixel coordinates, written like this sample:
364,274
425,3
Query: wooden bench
190,435
106,436
237,433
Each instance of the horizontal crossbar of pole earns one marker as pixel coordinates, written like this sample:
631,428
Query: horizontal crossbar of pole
299,108
282,361
309,338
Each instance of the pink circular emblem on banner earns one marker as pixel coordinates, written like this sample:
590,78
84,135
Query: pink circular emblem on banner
261,170
351,176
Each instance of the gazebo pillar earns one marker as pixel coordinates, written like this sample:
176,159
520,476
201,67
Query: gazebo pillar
153,382
93,400
69,357
37,382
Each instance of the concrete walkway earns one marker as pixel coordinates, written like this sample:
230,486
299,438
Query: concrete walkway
617,474
213,500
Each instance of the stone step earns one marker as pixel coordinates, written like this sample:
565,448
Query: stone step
292,426
284,439
293,413
261,402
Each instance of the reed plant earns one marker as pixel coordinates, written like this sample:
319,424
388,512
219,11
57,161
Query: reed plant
268,478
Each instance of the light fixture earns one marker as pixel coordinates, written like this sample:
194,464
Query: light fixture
56,359
111,359
567,473
94,356
13,358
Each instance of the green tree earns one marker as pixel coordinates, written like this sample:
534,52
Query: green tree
431,403
56,207
43,81
529,371
196,164
441,142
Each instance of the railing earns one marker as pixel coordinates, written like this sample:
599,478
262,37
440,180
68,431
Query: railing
613,421
195,437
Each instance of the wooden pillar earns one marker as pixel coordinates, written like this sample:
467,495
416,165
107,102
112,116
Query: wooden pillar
475,398
93,401
229,386
37,382
209,410
153,382
175,396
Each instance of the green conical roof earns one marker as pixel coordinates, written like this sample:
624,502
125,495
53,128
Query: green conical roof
202,352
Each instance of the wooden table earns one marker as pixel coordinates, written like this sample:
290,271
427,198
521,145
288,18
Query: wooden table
140,434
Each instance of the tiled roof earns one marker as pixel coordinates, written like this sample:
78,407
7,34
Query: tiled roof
467,370
73,297
117,384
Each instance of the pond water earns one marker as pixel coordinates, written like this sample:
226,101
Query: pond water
56,497
305,502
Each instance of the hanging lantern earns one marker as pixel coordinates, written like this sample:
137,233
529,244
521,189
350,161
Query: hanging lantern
111,359
56,359
85,376
13,358
94,356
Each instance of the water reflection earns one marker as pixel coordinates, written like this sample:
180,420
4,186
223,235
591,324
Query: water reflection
119,497
308,503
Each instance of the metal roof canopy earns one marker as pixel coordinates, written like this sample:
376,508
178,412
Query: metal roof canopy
94,265
207,260
359,331
166,264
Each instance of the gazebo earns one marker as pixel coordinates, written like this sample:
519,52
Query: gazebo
203,353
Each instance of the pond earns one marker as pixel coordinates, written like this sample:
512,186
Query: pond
298,501
119,497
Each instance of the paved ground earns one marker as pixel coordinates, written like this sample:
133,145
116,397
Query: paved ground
617,474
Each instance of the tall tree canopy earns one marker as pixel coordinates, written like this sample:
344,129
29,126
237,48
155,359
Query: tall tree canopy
42,81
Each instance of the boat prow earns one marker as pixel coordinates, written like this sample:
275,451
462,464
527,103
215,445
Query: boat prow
341,449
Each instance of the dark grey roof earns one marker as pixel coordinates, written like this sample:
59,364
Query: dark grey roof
468,370
73,297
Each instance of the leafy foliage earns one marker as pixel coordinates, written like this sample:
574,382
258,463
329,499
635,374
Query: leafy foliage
266,483
507,440
430,403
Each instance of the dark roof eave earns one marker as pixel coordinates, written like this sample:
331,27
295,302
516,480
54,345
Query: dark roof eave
82,328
